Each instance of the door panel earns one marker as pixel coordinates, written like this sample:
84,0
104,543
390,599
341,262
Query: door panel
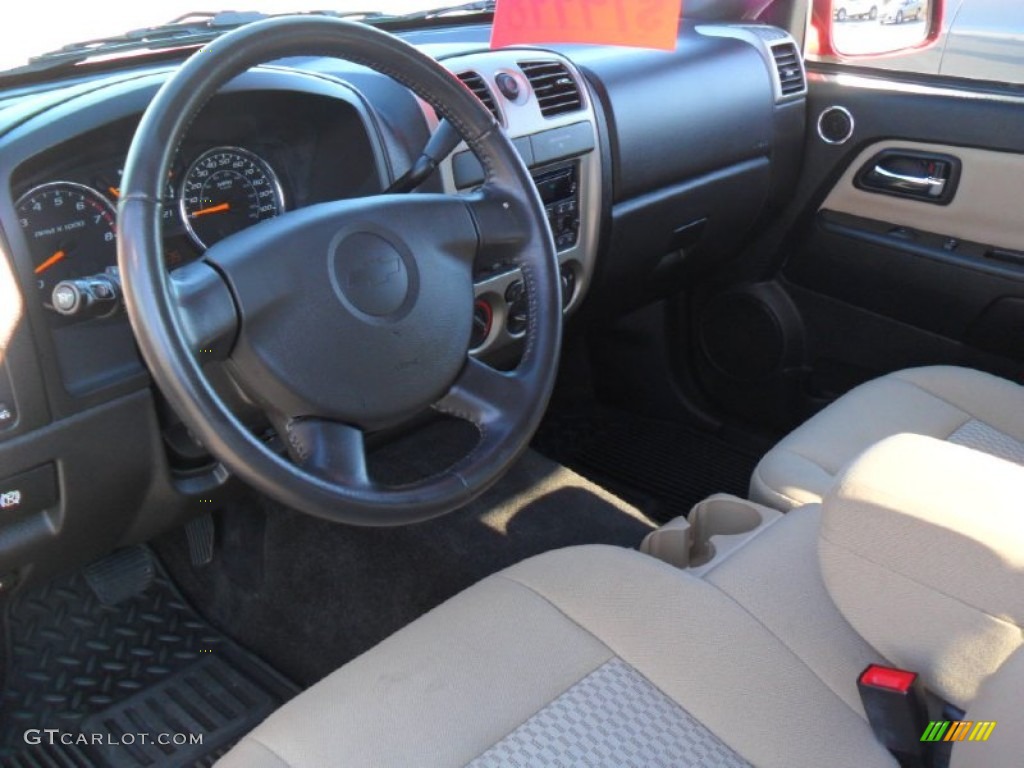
905,274
985,207
880,282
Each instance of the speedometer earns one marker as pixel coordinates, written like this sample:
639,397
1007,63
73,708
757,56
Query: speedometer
226,190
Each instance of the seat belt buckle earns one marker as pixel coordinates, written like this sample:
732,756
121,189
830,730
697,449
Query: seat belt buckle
894,704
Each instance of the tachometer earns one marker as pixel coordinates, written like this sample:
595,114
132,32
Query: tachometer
226,190
71,231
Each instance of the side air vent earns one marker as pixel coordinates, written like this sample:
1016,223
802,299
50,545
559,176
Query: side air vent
476,84
791,74
557,91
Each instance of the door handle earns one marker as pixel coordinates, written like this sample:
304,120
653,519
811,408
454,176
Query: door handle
929,185
924,176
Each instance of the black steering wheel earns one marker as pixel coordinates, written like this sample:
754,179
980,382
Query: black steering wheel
345,316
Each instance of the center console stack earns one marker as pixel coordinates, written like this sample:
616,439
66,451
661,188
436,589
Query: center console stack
542,103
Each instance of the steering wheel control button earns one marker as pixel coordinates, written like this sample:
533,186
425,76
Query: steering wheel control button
31,491
370,275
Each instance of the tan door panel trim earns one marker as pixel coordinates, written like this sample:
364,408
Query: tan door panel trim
986,208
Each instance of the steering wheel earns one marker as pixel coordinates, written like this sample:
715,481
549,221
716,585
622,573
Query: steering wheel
347,316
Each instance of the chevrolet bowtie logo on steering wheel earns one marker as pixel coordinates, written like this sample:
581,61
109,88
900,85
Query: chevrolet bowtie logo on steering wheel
372,274
374,270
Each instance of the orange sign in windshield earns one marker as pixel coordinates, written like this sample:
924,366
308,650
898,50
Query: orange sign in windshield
638,23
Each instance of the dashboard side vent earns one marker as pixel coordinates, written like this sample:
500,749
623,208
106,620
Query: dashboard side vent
476,84
557,92
791,73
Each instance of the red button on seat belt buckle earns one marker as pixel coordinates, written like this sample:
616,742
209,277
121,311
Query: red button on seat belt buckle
895,708
898,680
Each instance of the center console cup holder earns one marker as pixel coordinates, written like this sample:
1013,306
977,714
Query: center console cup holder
714,529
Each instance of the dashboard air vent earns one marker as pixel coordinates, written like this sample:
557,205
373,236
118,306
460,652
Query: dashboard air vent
476,84
557,91
791,74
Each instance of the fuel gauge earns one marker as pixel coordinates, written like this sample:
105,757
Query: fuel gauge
110,186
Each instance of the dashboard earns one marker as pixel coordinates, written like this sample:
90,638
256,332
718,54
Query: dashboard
650,165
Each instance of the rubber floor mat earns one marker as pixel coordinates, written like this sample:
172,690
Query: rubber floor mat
662,467
145,682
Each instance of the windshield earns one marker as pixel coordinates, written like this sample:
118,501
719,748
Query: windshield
32,27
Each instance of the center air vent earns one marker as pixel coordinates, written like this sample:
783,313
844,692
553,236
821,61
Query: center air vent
476,84
791,74
557,91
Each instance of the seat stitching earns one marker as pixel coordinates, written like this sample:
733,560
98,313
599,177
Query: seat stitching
268,749
787,646
760,476
809,460
968,416
937,396
611,655
550,602
912,580
672,698
615,654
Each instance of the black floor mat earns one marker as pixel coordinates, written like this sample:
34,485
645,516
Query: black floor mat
662,467
284,582
118,680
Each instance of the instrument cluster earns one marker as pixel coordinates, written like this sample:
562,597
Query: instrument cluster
71,226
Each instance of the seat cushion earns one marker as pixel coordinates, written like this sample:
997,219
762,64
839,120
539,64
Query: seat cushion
591,655
774,578
957,404
937,529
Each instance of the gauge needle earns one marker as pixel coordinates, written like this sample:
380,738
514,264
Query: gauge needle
58,256
212,209
114,191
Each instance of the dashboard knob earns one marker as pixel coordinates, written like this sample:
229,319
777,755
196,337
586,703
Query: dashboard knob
518,308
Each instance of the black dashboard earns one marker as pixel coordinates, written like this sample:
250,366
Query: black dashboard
651,165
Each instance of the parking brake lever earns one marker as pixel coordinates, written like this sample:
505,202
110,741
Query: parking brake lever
441,144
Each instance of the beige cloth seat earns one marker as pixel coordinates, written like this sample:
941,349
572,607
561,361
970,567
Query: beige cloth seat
604,657
961,405
587,656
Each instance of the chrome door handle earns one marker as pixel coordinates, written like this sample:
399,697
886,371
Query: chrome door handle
928,185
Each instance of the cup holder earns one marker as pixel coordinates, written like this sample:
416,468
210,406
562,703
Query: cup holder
714,528
717,516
